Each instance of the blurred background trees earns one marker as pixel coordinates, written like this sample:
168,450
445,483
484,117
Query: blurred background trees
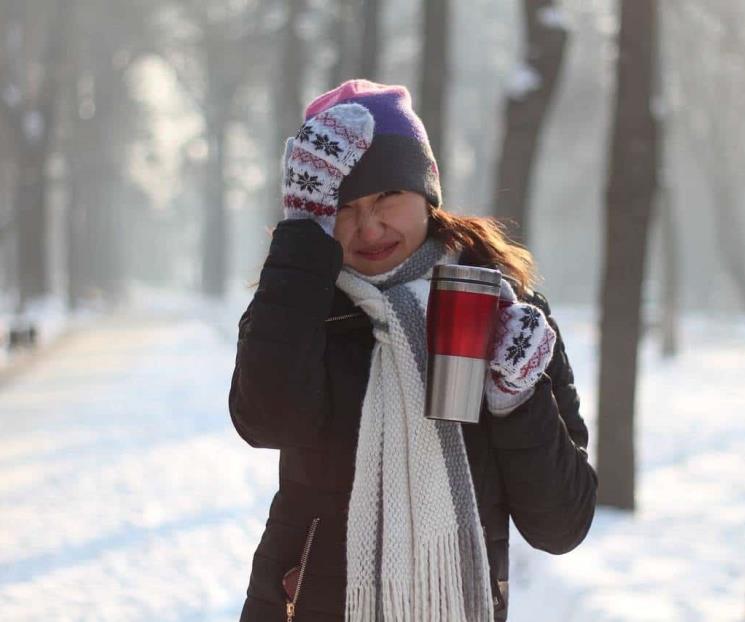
140,146
32,67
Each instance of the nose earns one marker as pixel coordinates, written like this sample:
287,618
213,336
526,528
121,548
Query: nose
369,225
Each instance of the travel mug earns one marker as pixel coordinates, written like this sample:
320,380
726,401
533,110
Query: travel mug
461,328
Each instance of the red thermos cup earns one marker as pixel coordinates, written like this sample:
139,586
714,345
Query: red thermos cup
461,328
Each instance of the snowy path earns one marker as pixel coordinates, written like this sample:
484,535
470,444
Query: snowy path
124,492
126,495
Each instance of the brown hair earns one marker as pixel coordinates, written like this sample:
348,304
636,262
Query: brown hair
484,242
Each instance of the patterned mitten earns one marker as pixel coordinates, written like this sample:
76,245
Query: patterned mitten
321,154
522,351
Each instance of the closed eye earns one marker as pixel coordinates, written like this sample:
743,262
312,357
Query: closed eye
380,196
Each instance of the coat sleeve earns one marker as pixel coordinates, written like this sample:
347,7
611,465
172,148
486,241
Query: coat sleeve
279,394
541,449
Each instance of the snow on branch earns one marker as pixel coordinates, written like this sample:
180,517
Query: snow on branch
553,17
523,80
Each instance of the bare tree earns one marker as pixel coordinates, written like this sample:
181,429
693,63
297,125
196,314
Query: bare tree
287,92
433,76
528,101
665,216
722,170
7,259
724,178
630,195
370,54
342,27
289,101
670,290
354,29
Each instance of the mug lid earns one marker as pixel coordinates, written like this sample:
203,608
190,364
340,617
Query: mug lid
468,274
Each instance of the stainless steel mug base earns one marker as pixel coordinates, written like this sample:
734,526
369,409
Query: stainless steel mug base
455,388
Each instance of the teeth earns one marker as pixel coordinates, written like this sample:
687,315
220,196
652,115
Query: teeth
377,250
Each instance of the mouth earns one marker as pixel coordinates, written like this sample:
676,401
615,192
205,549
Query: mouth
376,254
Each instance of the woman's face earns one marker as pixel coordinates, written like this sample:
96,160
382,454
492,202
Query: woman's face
378,231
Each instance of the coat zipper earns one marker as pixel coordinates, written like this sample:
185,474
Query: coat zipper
342,317
303,561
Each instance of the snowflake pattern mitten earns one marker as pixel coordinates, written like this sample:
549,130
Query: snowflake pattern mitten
322,153
523,349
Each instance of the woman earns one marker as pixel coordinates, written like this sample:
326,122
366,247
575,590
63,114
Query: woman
381,513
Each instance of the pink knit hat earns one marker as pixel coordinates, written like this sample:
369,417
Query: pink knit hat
400,156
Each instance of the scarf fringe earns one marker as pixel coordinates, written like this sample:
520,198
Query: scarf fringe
437,594
361,603
479,597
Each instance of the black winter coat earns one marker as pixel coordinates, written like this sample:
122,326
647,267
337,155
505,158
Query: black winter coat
300,376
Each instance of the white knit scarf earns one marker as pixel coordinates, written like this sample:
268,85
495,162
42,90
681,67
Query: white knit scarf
415,549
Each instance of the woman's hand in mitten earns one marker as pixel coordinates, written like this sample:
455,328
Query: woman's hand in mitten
321,154
522,351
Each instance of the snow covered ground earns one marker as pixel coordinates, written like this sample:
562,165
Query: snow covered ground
125,494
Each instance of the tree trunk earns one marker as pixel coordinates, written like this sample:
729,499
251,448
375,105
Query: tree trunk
344,34
370,52
629,204
31,219
104,227
224,60
527,106
727,196
289,107
670,273
290,101
76,244
30,123
434,77
215,232
729,229
669,307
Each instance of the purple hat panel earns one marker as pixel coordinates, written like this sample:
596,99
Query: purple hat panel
390,105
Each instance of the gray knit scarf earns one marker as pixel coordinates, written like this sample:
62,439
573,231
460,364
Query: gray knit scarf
415,549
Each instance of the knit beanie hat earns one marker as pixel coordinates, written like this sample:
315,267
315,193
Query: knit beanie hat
400,156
